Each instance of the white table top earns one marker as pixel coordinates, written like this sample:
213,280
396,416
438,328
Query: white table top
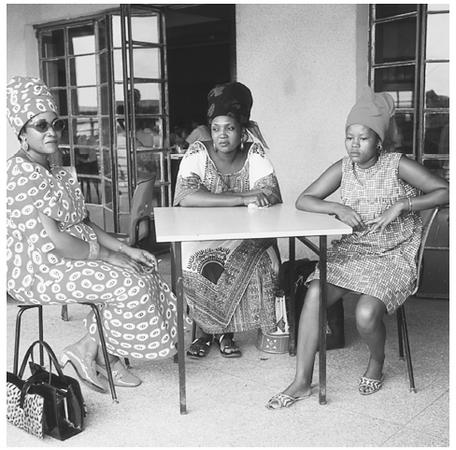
180,224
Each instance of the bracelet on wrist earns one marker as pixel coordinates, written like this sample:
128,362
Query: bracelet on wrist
94,250
409,204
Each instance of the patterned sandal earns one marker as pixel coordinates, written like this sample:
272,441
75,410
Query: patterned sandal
369,386
200,347
227,346
282,400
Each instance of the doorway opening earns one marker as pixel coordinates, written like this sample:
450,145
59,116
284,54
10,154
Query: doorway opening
201,53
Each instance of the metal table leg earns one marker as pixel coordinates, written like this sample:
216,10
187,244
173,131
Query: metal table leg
176,264
322,320
293,317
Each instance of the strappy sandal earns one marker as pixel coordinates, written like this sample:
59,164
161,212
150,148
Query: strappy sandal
200,347
368,386
282,400
227,347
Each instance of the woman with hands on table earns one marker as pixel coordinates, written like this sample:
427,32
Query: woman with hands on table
381,192
56,255
229,285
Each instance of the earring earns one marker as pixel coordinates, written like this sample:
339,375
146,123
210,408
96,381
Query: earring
213,144
24,145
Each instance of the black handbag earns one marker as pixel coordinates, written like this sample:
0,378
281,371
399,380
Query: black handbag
45,403
335,330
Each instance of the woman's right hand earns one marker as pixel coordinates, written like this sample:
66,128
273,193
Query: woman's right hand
121,260
257,197
348,216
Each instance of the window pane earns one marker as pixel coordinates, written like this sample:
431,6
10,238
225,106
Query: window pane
83,70
383,11
60,96
105,99
148,132
54,73
116,35
107,168
104,67
52,44
81,40
86,131
437,85
145,29
438,7
404,122
102,35
399,82
146,62
438,42
117,58
84,100
150,98
436,133
395,41
148,164
440,168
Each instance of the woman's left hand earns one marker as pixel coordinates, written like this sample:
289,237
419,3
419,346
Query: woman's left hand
381,222
142,256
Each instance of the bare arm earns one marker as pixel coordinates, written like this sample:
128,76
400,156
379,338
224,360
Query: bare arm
206,198
69,246
313,198
435,189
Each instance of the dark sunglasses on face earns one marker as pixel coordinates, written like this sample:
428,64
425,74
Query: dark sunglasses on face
43,125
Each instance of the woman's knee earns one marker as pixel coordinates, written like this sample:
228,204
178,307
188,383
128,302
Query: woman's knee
369,314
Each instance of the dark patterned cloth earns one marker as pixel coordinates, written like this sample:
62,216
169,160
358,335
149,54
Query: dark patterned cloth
380,264
229,285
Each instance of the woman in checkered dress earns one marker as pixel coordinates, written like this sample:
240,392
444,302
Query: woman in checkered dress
380,196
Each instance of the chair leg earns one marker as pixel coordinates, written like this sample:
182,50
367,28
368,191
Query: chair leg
40,333
64,313
96,311
17,334
407,351
399,332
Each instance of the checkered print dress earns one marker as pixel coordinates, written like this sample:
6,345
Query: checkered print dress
380,264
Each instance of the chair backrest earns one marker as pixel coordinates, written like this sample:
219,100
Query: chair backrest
428,217
141,210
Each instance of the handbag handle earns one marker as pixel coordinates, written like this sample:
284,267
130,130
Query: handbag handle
52,358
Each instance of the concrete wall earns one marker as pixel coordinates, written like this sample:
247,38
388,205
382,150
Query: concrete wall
304,64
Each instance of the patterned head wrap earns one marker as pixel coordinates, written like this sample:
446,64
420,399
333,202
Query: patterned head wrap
26,98
373,110
231,99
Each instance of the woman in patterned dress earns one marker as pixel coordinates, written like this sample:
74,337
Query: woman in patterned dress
55,255
380,197
229,285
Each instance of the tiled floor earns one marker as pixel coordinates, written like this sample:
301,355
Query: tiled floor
226,398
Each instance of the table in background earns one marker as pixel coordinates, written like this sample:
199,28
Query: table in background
177,225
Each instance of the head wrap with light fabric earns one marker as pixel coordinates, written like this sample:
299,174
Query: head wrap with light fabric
26,98
373,110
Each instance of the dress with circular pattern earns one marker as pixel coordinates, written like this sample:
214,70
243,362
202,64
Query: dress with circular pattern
138,309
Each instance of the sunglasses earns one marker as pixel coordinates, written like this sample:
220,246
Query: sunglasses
58,125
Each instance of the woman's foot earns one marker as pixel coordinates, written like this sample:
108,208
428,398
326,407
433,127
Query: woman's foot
374,369
83,363
200,347
292,394
372,380
121,376
227,346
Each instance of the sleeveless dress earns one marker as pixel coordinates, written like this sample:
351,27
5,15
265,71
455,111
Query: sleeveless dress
229,285
379,264
138,309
